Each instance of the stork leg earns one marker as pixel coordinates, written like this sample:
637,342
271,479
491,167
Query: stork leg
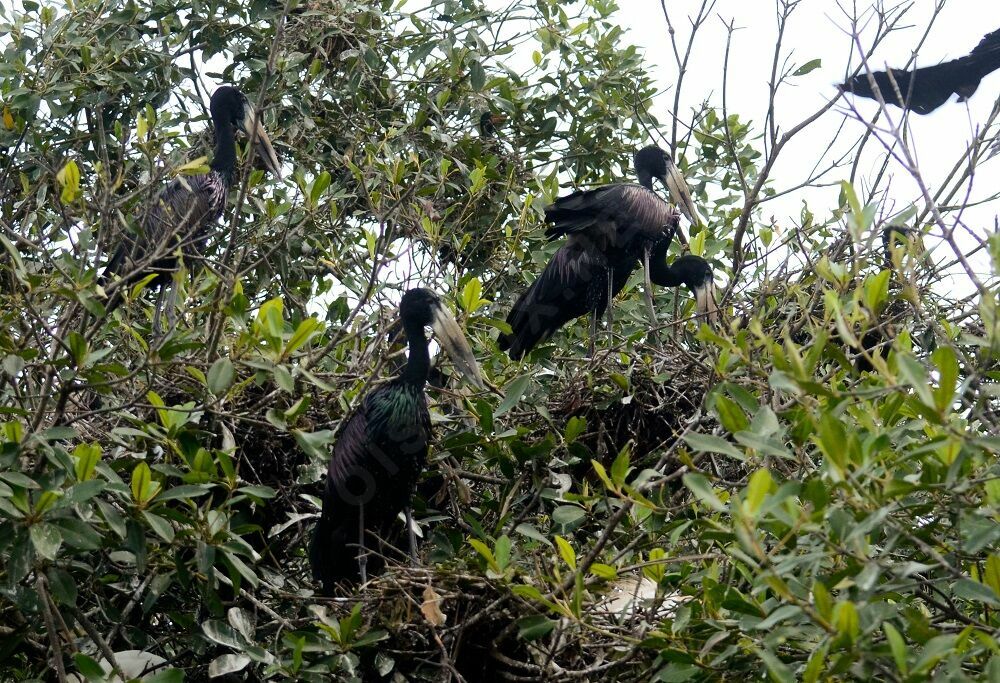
171,307
408,511
593,333
648,284
609,314
157,309
362,553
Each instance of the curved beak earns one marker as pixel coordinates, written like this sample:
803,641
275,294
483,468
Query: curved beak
452,340
704,299
680,193
260,141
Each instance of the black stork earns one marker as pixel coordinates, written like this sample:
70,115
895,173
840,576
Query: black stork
924,90
182,214
692,271
609,230
488,123
381,450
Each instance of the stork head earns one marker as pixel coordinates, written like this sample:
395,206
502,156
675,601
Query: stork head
230,107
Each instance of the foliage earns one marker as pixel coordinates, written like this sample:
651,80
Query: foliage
810,491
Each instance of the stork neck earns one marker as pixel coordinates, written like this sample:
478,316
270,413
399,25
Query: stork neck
645,178
224,161
660,272
418,358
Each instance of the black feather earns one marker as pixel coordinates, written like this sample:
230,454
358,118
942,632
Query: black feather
377,460
609,228
181,216
924,90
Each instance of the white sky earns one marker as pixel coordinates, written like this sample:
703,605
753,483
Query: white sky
817,30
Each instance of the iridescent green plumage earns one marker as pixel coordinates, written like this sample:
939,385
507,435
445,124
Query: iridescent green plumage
381,452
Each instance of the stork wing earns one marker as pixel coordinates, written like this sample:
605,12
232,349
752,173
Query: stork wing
560,294
612,215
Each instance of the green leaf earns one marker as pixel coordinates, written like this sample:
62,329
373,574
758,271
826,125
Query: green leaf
221,376
845,620
471,299
319,187
808,67
777,616
876,290
575,426
710,443
776,669
316,444
485,552
822,600
757,490
160,526
936,649
270,319
227,664
831,439
568,516
46,539
697,244
603,571
897,645
143,487
814,667
69,180
655,570
531,532
165,676
90,669
947,365
700,487
534,627
62,585
602,474
620,467
991,575
566,552
502,552
730,414
283,378
78,347
477,75
915,376
87,456
515,390
19,479
976,592
477,179
137,288
303,333
197,166
223,634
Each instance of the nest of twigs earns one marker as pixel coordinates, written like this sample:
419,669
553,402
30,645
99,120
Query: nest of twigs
439,623
649,412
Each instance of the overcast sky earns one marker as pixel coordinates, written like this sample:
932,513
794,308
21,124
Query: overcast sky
817,30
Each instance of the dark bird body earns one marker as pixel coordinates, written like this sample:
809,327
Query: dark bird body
609,230
924,90
386,437
381,452
181,216
488,123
